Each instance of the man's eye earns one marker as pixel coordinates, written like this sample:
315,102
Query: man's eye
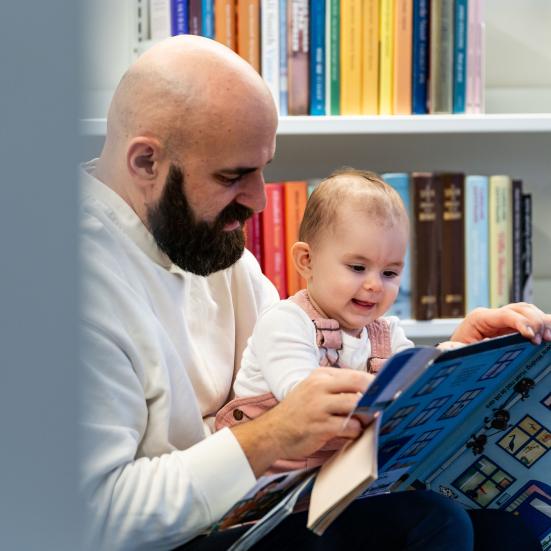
356,268
229,181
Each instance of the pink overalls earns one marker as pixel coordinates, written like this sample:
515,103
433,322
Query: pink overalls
329,341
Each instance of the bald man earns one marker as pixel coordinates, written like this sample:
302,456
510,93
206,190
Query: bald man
169,300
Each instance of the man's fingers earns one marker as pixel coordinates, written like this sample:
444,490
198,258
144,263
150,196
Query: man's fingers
343,380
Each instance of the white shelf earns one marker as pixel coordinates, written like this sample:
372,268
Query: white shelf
415,124
438,329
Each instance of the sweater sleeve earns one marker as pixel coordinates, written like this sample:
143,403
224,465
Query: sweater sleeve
284,346
136,501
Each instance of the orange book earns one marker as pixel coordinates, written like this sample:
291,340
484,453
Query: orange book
248,31
273,238
224,23
403,24
370,56
295,194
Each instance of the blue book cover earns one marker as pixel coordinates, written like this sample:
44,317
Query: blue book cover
207,18
317,57
283,93
460,56
402,307
179,17
477,269
473,424
420,57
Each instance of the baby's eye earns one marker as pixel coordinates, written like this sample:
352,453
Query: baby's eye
390,274
356,267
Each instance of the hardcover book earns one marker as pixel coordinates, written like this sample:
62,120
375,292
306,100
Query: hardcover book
179,17
426,197
473,424
401,92
283,77
317,58
420,57
332,57
269,39
386,56
351,57
370,55
207,18
224,23
526,253
452,257
516,281
195,17
248,31
460,57
298,49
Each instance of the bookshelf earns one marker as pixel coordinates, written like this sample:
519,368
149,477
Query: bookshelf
513,138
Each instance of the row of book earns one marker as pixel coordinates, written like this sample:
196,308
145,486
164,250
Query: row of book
470,246
346,57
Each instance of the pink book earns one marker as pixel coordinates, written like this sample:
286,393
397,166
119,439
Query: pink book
475,58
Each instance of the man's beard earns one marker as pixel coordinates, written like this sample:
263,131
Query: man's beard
198,247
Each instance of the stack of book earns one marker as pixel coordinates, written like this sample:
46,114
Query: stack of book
470,246
345,57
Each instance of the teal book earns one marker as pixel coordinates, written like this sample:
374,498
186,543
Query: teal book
477,269
460,57
402,307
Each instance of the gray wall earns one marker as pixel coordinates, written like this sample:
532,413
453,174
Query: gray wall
38,290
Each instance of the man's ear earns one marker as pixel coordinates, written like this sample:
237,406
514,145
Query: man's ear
302,258
143,160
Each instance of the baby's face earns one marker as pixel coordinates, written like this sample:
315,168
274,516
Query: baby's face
356,269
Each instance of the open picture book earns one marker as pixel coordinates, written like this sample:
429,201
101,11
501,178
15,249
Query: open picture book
472,423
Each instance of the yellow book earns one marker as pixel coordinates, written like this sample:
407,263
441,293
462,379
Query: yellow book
386,57
500,248
370,53
403,24
351,57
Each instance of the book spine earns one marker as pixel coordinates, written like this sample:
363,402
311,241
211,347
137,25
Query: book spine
295,202
452,257
499,222
351,57
283,92
248,31
179,17
441,57
386,56
159,17
269,36
527,282
207,18
476,242
420,56
403,21
333,67
317,57
370,53
195,17
402,306
475,57
224,23
143,29
253,236
426,207
273,238
460,56
516,287
298,48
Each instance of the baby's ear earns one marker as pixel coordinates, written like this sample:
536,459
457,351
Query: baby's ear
302,258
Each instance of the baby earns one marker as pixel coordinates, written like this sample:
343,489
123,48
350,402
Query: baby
351,249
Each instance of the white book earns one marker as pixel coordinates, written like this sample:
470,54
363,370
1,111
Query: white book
159,19
269,23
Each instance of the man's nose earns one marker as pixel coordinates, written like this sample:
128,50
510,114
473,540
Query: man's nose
252,193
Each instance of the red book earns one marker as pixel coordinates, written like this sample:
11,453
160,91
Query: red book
273,238
253,236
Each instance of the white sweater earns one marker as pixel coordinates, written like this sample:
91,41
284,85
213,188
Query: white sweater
160,348
283,351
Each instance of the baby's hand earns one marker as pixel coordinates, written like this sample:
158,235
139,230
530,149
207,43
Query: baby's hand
449,345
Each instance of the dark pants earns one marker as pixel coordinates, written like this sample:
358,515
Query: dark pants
416,521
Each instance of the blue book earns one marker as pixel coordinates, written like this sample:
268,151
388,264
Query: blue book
460,56
317,57
477,271
473,424
283,90
179,17
420,57
402,307
207,18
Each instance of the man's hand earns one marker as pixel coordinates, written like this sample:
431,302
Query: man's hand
311,414
525,318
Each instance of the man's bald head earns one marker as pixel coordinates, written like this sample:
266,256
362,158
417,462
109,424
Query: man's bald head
182,85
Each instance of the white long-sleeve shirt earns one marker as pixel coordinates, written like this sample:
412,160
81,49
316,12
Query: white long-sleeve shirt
282,351
160,348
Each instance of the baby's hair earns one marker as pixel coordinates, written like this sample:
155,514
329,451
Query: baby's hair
359,189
